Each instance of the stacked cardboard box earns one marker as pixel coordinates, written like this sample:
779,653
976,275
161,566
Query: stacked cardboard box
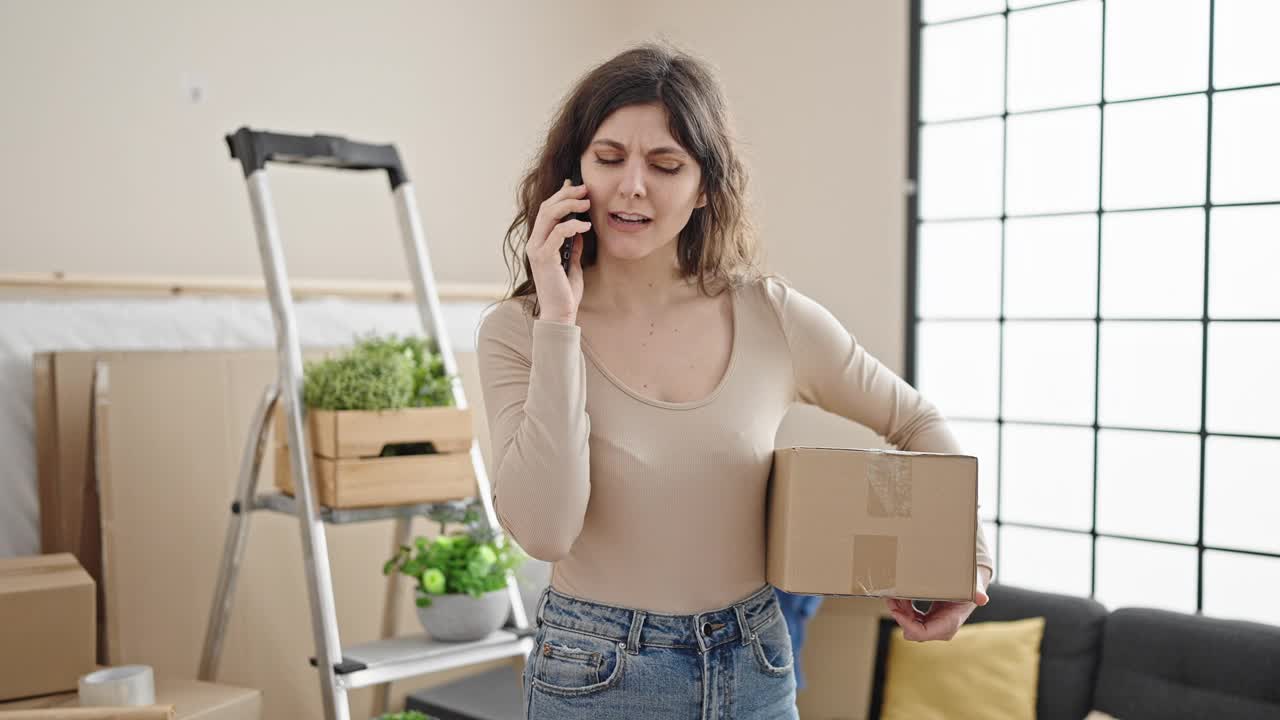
48,621
47,630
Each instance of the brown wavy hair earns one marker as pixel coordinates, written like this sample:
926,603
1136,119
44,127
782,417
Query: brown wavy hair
718,243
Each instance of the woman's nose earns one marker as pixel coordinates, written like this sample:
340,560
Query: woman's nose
632,184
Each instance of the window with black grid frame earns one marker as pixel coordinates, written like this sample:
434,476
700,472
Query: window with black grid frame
1094,288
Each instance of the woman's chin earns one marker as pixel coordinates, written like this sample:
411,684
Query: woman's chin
625,248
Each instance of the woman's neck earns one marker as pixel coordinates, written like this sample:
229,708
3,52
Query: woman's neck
645,284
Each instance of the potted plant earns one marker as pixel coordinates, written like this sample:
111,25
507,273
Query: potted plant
460,577
380,372
382,427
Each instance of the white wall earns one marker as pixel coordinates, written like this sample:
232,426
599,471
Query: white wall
110,167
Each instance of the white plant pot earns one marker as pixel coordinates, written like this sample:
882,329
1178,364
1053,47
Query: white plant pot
458,617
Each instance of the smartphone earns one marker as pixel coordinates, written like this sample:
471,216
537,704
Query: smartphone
566,249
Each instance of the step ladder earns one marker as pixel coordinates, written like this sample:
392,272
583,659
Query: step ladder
340,669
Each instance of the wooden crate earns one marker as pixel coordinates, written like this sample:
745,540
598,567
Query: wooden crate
349,473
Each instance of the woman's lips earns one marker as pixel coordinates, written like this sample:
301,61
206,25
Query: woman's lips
621,225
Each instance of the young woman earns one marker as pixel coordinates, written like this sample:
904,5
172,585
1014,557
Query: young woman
633,404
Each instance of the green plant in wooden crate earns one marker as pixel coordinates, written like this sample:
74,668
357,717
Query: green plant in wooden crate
380,373
474,560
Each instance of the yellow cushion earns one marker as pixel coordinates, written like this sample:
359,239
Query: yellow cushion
988,671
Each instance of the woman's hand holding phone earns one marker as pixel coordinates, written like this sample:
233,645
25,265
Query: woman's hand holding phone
559,293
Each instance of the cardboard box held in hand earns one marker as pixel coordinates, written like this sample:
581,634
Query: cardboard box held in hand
48,625
878,523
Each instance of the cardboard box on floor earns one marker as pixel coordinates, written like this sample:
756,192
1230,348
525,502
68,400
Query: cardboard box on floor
877,523
47,620
175,428
145,712
190,700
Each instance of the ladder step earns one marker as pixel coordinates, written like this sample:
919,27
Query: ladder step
389,660
345,667
281,503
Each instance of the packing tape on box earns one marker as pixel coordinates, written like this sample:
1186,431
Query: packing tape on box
119,686
888,486
875,565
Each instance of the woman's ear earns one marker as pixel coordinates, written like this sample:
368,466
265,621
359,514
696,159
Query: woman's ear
702,200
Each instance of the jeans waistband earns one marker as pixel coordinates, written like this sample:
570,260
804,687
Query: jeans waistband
639,628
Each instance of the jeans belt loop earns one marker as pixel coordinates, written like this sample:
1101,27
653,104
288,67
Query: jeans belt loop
744,629
633,637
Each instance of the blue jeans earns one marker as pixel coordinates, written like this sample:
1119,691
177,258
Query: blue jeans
592,660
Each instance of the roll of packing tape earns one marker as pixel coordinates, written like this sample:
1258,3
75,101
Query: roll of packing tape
118,686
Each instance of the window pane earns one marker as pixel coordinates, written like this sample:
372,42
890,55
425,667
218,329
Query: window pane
1244,387
1244,250
1131,244
1149,375
1142,574
958,367
1055,56
1149,484
1246,146
937,10
980,440
960,169
1244,44
1045,560
1241,587
1051,266
1156,47
1242,493
959,269
962,69
1048,371
1053,162
1047,476
1155,153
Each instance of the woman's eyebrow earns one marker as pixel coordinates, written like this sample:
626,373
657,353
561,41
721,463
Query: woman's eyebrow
664,150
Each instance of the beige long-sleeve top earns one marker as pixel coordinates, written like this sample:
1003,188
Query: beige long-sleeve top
661,506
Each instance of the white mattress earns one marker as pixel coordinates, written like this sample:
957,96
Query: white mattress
31,326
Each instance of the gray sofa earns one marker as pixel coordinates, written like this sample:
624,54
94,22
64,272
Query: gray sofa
1136,663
